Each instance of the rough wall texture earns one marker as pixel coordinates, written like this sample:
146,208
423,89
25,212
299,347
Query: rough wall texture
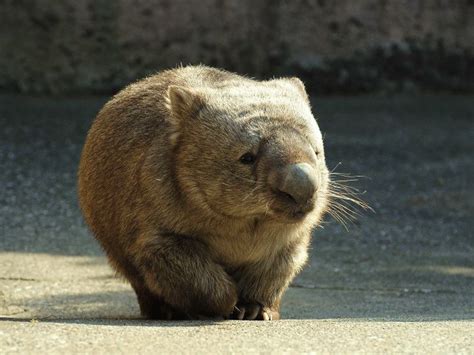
335,45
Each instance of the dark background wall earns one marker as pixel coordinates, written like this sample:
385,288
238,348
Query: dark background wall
337,46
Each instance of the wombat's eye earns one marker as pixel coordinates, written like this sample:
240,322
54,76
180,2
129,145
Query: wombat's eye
247,158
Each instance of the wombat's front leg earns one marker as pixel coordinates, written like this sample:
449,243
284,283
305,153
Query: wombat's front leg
261,285
179,271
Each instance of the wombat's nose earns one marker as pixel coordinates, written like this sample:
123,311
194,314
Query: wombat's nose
298,182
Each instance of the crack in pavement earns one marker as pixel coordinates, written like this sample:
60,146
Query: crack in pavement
20,279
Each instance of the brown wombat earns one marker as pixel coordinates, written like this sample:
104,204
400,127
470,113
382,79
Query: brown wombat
203,187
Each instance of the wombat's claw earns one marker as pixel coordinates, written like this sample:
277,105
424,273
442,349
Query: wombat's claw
253,311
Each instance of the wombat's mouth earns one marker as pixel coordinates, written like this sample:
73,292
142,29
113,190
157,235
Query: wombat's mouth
287,211
289,218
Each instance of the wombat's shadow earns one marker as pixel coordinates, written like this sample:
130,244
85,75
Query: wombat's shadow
300,303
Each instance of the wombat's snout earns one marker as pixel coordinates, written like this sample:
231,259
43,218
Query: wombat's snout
296,184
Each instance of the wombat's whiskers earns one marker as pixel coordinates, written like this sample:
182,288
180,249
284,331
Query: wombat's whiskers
344,201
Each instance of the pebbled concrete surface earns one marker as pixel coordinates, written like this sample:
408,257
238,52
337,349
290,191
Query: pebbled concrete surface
400,280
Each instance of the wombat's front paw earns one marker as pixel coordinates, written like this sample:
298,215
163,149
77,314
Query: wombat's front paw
254,311
219,303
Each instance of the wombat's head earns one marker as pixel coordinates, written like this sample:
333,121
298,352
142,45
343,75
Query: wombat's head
252,150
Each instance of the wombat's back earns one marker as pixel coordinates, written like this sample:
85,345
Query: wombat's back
109,181
115,147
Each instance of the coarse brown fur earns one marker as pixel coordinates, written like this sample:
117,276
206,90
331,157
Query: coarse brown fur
196,231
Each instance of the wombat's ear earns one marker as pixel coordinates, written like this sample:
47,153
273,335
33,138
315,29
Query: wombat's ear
299,86
295,83
182,103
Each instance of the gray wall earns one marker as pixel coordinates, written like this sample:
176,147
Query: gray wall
87,46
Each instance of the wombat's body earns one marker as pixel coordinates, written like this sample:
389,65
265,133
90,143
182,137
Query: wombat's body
203,187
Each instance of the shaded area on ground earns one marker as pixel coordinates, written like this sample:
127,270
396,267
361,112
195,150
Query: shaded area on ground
84,301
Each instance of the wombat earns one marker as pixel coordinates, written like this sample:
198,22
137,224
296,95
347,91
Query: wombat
203,188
